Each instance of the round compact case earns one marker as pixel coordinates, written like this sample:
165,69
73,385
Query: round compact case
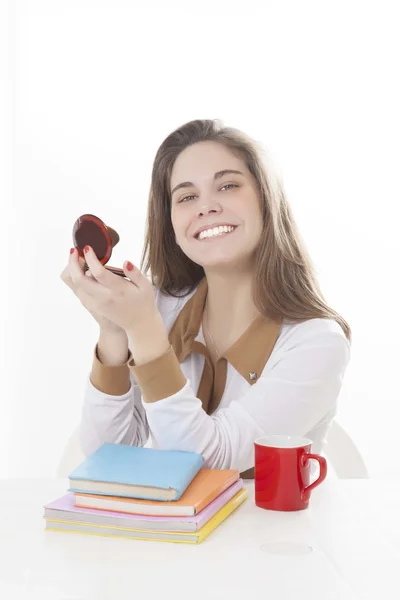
90,231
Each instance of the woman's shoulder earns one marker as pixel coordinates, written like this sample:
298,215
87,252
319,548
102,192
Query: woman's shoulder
312,331
314,345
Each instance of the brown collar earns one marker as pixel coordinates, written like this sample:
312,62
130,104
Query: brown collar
248,355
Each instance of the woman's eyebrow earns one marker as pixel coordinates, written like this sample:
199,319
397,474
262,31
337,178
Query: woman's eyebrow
217,175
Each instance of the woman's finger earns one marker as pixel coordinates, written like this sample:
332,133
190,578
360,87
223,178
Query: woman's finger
77,273
100,273
66,277
66,273
134,274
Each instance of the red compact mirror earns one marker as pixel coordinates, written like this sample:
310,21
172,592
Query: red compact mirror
91,231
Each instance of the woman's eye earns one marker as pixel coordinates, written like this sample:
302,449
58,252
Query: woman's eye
227,185
185,198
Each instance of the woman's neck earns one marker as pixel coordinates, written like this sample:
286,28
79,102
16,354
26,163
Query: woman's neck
229,308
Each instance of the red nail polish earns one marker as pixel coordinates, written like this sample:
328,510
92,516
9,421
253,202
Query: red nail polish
72,250
129,266
86,249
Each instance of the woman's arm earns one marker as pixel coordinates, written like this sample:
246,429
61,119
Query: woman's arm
112,347
112,408
291,398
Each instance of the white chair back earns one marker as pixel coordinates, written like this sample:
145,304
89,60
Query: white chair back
343,455
72,456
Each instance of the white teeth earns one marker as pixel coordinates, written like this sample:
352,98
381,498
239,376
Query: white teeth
208,233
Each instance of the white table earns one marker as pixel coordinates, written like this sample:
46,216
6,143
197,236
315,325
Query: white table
345,546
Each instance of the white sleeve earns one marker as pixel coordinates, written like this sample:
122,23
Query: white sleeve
112,415
108,418
290,398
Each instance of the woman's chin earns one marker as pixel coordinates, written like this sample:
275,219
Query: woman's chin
221,263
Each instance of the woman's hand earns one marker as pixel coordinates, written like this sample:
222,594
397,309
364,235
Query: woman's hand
70,275
111,299
118,305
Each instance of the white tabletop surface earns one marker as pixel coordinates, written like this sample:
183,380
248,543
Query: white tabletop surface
345,546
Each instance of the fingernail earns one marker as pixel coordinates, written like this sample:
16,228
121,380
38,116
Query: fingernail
129,266
86,249
72,250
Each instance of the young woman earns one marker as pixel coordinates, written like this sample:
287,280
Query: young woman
231,338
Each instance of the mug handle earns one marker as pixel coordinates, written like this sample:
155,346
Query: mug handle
323,470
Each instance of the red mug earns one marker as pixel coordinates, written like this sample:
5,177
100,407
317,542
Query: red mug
282,472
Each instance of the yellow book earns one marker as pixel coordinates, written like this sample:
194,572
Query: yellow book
147,534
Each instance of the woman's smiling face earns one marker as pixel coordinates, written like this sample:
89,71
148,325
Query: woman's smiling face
215,206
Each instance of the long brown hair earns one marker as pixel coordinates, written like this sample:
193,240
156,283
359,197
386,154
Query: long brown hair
284,283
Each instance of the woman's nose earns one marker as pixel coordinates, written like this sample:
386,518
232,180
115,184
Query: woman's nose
209,208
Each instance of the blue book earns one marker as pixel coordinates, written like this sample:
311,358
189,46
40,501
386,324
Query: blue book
136,472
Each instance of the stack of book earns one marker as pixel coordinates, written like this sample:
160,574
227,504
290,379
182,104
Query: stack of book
146,493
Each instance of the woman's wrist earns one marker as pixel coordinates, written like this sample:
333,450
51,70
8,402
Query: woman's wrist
148,340
112,347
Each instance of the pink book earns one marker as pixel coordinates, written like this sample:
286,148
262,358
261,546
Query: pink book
64,509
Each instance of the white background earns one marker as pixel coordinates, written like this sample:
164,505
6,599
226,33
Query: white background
91,88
